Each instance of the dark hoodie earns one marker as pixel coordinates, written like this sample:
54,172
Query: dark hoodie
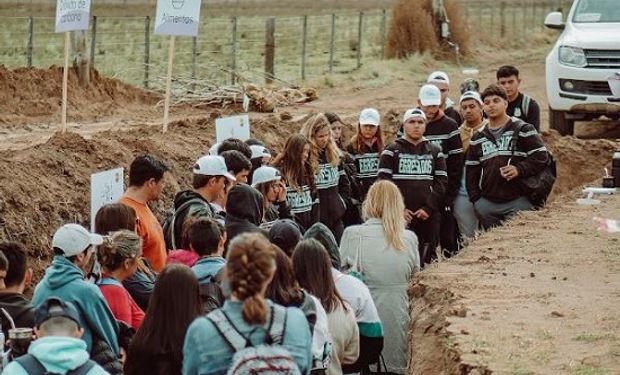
321,233
199,207
19,308
244,211
334,190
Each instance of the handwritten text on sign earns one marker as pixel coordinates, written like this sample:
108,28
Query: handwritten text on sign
72,15
177,17
105,187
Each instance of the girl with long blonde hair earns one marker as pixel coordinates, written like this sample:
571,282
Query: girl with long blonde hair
385,255
331,180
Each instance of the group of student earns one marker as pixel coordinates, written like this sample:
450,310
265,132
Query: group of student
299,262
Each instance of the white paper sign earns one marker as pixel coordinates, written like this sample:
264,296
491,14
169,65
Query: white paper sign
232,127
72,15
105,187
177,17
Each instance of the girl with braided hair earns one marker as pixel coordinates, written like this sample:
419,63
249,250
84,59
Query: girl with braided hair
250,267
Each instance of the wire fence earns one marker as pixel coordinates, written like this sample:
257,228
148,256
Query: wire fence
231,47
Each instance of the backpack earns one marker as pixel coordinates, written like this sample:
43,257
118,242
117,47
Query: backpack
168,223
524,107
269,358
33,366
211,293
536,188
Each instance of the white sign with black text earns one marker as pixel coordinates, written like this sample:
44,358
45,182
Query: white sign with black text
232,127
105,187
177,17
72,15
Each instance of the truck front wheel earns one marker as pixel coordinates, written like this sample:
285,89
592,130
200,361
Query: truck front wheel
559,122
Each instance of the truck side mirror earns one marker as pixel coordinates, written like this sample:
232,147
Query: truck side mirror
554,21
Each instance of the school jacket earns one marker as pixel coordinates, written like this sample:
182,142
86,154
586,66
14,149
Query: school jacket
334,190
419,171
366,164
486,155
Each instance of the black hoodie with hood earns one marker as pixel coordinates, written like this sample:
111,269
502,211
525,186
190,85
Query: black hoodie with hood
196,207
244,211
19,308
321,233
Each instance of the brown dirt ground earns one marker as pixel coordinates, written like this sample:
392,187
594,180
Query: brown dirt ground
487,310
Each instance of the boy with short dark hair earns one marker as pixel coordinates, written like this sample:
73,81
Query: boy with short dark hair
238,165
206,237
18,278
519,105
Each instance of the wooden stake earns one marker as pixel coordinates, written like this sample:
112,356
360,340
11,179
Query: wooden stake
168,83
65,78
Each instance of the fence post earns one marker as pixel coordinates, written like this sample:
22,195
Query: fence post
502,27
480,11
533,15
233,62
93,41
514,19
30,39
383,24
270,46
147,49
332,44
493,11
304,42
359,39
194,61
524,13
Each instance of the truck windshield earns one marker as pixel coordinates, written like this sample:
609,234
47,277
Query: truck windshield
597,11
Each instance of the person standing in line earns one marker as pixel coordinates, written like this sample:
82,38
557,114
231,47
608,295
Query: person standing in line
387,255
442,81
18,278
331,180
520,105
471,106
146,182
418,168
268,181
365,148
298,170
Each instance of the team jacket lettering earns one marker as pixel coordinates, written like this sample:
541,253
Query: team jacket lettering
486,155
304,205
367,164
334,190
419,171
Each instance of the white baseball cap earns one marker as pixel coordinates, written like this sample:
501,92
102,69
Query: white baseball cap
370,116
212,165
73,239
470,95
413,113
259,151
213,150
429,95
438,77
265,174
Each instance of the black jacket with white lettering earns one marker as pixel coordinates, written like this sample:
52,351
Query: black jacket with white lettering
334,190
486,156
366,164
419,171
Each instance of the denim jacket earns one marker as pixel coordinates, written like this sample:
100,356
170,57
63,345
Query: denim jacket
205,352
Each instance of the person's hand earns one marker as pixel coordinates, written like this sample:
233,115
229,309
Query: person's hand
408,215
282,192
123,356
421,214
509,172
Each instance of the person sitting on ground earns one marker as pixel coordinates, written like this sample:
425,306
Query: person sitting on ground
146,183
250,266
73,246
58,348
18,279
313,271
157,347
116,216
268,181
285,234
244,211
520,105
494,164
387,255
119,255
260,157
210,180
284,290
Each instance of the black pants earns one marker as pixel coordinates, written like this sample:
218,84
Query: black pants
448,232
370,352
427,232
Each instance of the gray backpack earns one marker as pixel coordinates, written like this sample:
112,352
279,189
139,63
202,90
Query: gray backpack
269,358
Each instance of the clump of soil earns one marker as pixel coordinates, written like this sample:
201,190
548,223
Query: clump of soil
31,94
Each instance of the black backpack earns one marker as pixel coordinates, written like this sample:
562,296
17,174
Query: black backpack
169,222
536,188
33,366
211,293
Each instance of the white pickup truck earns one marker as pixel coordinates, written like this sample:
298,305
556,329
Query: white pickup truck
585,55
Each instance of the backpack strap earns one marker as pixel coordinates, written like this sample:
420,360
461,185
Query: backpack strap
228,331
84,369
525,105
515,135
31,364
277,324
182,208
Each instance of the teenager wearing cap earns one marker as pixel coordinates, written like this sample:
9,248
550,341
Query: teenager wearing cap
493,165
210,180
58,348
73,247
365,148
146,182
443,132
331,180
441,80
268,181
520,105
418,168
471,107
260,156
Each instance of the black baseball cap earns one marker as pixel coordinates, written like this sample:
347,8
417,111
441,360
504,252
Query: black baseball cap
55,307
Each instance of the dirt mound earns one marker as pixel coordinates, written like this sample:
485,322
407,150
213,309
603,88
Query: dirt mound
30,94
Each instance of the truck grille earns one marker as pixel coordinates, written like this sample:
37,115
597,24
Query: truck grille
603,58
587,87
